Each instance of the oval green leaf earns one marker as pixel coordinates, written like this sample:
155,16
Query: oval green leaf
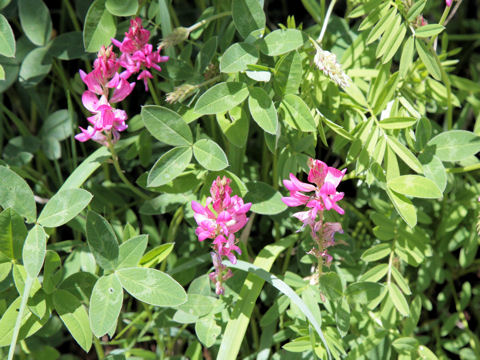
105,304
405,154
198,305
455,145
288,74
30,323
152,286
415,186
428,59
99,27
102,241
397,122
264,198
434,170
34,250
297,114
131,251
35,20
7,39
263,111
16,194
237,57
122,7
281,41
35,66
63,207
247,16
166,125
331,285
377,252
58,125
404,207
68,46
169,166
207,330
429,30
74,316
210,155
398,299
12,235
221,98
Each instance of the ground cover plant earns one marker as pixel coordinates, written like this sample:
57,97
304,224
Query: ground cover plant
239,179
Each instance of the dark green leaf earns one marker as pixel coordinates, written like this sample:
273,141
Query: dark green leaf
102,241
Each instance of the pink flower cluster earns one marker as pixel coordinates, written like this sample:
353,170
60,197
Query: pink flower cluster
221,217
137,55
318,196
105,86
99,81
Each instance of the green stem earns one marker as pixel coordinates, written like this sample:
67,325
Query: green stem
138,318
121,174
153,91
98,348
390,264
207,20
463,169
21,310
325,21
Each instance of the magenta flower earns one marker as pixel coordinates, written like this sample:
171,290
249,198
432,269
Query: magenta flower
325,197
449,2
106,121
318,196
221,217
137,55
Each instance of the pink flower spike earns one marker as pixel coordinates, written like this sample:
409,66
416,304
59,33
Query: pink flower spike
448,2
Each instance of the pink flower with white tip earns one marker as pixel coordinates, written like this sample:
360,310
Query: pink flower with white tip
221,217
318,196
137,55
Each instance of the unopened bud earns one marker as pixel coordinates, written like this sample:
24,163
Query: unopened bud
327,62
180,93
176,37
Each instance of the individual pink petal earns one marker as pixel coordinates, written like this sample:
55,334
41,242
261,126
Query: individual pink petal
122,90
329,231
334,176
199,209
318,171
300,186
85,134
90,101
224,216
292,201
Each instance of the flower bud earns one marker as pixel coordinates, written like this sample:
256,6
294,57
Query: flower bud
176,37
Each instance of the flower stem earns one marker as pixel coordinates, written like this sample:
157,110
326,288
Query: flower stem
153,91
207,20
325,21
120,173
